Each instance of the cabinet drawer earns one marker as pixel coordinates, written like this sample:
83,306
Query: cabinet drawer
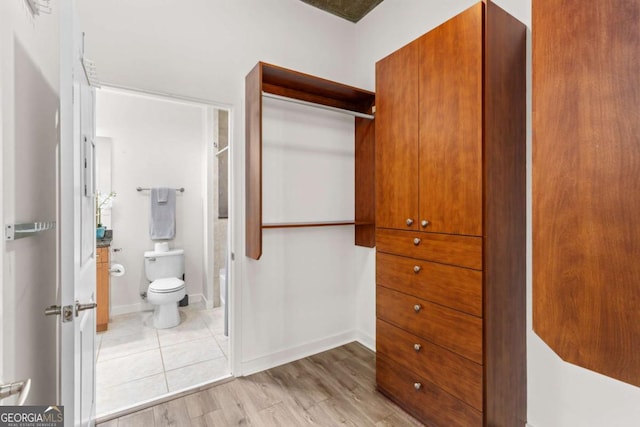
457,331
423,399
102,255
458,376
464,251
455,287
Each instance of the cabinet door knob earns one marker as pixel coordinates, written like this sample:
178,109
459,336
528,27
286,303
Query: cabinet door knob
424,223
409,222
417,347
416,241
417,386
417,308
417,268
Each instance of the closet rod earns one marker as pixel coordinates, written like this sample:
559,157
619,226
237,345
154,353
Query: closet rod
324,107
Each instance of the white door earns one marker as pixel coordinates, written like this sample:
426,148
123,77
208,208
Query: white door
77,226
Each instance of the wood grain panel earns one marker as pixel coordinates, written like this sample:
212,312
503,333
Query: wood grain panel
465,251
458,376
430,404
454,330
253,156
455,287
294,84
586,182
505,328
397,139
451,125
102,289
365,183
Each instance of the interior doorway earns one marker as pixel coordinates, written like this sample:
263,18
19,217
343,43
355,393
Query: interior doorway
144,142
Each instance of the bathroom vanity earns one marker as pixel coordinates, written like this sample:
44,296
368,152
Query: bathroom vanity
102,285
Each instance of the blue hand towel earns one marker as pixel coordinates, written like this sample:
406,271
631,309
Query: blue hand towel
162,221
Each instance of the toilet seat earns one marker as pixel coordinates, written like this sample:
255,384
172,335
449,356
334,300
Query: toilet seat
166,285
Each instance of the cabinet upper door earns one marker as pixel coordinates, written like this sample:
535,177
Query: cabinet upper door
397,139
450,80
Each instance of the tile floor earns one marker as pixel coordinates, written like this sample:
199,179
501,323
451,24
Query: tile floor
136,362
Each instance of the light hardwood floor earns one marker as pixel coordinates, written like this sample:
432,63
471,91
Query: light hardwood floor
333,388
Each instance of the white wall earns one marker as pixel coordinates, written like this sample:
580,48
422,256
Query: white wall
206,48
559,394
29,136
156,143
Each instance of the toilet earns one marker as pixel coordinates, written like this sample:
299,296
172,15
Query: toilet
163,268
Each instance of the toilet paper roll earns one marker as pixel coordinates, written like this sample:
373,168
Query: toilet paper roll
116,270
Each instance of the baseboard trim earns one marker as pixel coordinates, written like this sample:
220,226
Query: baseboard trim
366,340
295,353
130,308
145,306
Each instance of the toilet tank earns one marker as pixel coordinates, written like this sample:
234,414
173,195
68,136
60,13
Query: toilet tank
160,265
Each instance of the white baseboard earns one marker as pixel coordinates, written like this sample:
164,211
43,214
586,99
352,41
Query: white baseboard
145,306
130,308
366,340
296,353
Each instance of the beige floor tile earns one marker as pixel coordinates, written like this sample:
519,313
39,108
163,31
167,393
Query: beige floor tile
189,376
190,352
123,345
125,395
128,368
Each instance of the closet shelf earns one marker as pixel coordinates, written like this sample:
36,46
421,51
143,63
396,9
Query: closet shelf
307,224
270,81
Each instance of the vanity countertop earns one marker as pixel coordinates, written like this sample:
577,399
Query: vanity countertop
103,243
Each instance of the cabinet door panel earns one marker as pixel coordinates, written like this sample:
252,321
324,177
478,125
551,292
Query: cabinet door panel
397,139
451,125
586,184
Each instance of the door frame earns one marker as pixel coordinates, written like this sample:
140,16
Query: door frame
231,277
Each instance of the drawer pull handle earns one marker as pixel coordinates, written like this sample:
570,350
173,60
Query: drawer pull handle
417,347
417,386
417,308
409,222
424,223
416,241
416,269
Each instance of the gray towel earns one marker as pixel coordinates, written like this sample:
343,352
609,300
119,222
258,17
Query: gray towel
162,221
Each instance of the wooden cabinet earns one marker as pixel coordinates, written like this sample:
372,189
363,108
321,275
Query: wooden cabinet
586,163
102,289
450,222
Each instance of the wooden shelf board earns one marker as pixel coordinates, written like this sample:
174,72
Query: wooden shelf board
307,224
293,84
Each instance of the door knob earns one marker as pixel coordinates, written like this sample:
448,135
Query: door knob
19,387
417,308
409,222
416,269
56,310
82,307
424,223
416,241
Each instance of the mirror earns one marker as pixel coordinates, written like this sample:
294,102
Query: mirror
103,151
